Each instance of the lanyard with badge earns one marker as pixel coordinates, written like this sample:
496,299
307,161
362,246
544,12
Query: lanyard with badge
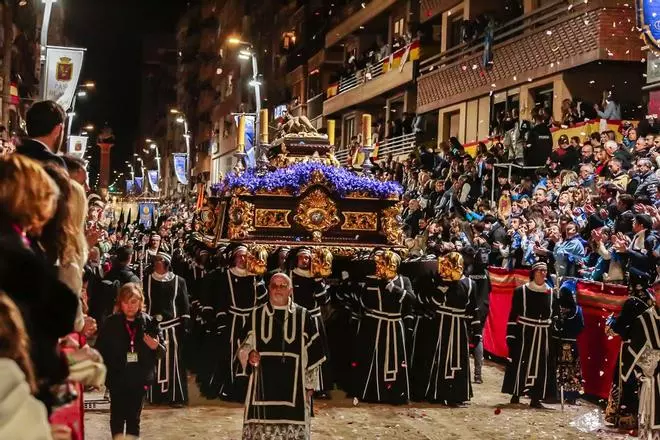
131,356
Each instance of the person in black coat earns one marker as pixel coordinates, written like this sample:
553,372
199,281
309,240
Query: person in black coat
566,156
45,126
130,342
48,307
121,268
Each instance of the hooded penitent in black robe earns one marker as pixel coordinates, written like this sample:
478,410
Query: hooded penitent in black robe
442,362
380,365
276,406
312,293
531,369
229,298
641,362
166,300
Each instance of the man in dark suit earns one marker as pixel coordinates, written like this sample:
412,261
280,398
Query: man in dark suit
45,126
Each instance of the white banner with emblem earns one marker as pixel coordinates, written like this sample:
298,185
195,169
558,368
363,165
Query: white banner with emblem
62,70
77,146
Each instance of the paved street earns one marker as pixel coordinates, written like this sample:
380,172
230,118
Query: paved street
338,419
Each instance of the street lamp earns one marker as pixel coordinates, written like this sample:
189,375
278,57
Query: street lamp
82,93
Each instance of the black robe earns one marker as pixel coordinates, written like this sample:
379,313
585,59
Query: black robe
442,364
623,400
291,353
640,361
228,299
167,302
531,369
312,293
380,366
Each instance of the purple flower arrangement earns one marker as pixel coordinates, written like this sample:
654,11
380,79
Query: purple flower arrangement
296,176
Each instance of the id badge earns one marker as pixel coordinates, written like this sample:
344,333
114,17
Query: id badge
131,357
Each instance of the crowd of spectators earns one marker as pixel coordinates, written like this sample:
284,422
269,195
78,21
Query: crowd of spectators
587,206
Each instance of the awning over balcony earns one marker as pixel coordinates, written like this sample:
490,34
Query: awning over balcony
353,21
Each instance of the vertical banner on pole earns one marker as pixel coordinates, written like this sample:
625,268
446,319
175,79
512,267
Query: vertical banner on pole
180,160
153,180
130,186
139,184
62,72
146,211
249,140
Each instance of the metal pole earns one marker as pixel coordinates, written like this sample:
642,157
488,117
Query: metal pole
147,183
158,180
492,186
257,97
44,43
187,138
70,117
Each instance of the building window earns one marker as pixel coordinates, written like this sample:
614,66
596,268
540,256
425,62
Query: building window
503,105
288,40
451,124
454,34
397,27
543,97
348,132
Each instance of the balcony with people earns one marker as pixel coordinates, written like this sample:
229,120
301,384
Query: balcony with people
369,74
497,52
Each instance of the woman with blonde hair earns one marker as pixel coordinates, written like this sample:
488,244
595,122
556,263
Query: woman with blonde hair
28,198
73,254
64,236
21,415
28,201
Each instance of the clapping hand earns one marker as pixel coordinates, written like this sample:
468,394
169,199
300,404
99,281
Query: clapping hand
151,342
254,358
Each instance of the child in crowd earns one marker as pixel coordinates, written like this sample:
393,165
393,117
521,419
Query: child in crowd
130,343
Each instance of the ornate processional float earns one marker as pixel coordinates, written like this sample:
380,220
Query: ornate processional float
299,195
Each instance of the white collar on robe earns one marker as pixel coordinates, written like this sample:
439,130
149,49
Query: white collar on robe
302,272
537,288
239,272
169,276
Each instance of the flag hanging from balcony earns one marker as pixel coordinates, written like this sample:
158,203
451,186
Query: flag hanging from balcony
153,180
63,65
77,146
180,166
648,19
139,184
249,140
130,186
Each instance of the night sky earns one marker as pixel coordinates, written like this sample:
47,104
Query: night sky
112,32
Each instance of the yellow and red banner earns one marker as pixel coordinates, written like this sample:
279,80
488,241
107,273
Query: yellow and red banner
395,59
